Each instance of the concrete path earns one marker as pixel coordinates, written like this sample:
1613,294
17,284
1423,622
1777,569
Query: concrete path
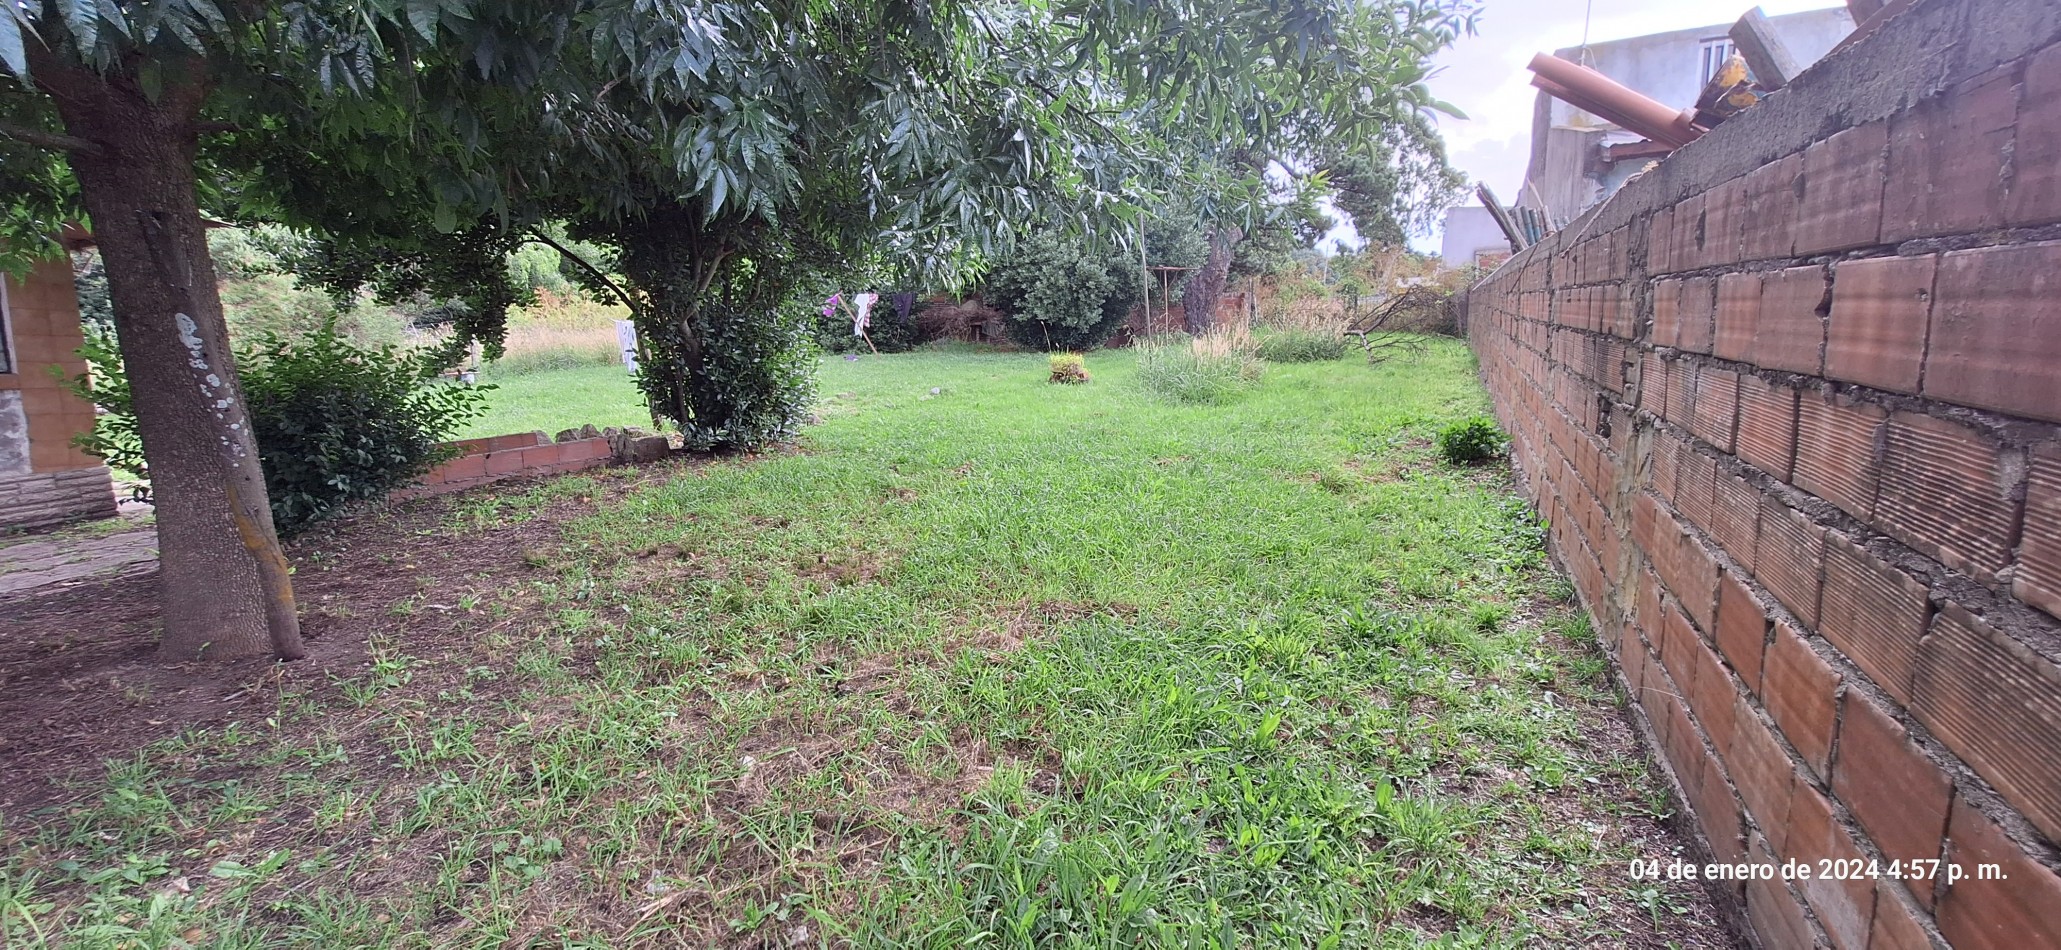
75,554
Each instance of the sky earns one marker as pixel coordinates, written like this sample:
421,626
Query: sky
1484,74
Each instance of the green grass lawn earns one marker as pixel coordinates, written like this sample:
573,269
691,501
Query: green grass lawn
553,400
987,662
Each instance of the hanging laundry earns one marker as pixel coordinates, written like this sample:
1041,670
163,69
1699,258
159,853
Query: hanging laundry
862,309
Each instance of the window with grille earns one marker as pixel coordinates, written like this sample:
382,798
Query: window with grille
1713,53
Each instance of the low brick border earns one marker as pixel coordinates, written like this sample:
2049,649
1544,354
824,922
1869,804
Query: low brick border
490,459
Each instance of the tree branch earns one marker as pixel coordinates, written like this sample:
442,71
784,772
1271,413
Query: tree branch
539,237
49,140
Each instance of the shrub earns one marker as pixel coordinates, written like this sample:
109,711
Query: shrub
277,304
1471,441
949,320
1068,368
1208,369
1057,295
1301,346
757,376
336,422
113,437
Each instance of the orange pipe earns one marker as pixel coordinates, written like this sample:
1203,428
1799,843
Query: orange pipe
1618,104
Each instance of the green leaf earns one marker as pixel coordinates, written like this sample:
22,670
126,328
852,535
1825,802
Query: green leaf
11,52
82,18
423,16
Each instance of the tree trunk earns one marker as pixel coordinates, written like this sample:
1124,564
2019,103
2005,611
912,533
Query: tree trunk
227,590
1206,286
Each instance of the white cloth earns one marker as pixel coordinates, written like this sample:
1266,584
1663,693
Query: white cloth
862,309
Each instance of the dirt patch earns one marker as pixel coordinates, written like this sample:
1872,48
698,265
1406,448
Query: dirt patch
80,681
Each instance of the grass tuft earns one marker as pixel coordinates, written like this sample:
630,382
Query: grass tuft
1210,369
1069,368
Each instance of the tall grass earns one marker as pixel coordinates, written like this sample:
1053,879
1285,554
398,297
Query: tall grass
1212,368
1301,346
560,331
1319,315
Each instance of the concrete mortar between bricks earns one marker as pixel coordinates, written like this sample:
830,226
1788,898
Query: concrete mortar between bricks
1957,531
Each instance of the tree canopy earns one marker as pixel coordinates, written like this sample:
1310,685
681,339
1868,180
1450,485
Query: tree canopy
728,153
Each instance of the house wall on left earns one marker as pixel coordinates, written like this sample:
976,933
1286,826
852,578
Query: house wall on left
44,479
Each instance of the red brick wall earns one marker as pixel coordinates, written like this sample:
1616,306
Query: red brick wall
504,456
1792,405
60,483
43,323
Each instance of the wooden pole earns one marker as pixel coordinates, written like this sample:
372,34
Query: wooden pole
1502,217
1145,276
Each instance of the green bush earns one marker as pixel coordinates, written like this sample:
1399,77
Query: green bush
1057,295
1184,372
756,379
1301,346
334,422
113,437
1471,441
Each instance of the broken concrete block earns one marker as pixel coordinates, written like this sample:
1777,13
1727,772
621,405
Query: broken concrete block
644,448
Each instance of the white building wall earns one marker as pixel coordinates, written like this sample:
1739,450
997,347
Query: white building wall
1564,179
1470,229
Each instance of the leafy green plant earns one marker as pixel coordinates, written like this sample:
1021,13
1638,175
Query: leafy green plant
1200,370
114,437
1300,346
1069,368
1056,294
1471,441
336,422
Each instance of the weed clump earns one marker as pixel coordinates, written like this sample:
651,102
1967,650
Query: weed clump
1212,368
1301,346
1068,368
1471,441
